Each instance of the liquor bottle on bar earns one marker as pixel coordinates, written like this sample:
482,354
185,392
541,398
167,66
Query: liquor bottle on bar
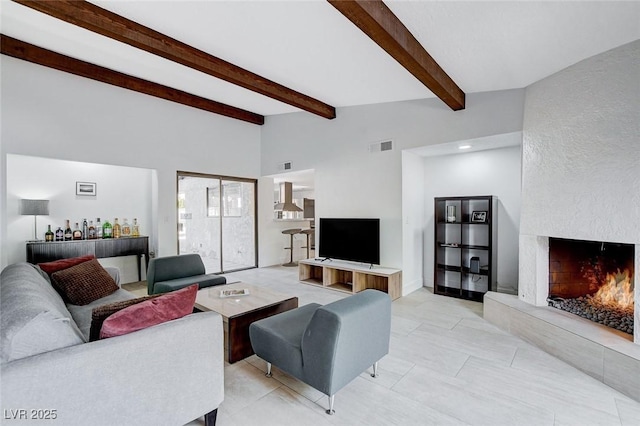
126,228
117,232
85,229
77,233
68,234
135,230
92,231
59,234
98,229
107,229
48,236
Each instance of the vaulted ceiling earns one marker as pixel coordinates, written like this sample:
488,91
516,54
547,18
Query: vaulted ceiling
316,51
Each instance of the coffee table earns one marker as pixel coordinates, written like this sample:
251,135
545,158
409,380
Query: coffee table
238,312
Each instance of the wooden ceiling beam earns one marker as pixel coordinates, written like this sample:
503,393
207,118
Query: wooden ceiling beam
377,21
109,24
19,49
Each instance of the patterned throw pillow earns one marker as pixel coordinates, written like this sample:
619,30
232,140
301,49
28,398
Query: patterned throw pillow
101,313
83,283
165,307
59,265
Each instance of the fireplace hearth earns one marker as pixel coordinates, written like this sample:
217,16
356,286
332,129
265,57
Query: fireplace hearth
593,280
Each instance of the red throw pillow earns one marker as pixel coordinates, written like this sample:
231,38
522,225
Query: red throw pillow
151,312
59,265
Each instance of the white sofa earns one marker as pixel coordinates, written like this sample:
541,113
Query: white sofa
168,374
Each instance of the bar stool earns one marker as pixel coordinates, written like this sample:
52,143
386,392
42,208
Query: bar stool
308,232
291,232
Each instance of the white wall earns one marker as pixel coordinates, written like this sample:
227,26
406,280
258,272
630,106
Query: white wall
122,192
271,248
490,172
581,161
414,222
351,181
51,114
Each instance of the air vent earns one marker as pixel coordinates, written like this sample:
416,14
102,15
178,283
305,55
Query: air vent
287,165
381,146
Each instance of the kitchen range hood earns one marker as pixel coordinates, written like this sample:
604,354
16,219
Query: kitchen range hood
286,199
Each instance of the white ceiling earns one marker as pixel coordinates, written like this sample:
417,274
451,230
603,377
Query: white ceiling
302,180
310,47
470,145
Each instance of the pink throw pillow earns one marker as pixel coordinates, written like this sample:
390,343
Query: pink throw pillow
151,312
101,313
59,265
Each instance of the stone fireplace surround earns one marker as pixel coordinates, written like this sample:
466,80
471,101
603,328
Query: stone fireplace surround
608,355
580,177
534,274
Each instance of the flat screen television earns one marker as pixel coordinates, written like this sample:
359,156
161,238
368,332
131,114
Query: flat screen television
357,240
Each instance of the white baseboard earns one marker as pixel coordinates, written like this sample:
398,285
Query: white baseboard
412,286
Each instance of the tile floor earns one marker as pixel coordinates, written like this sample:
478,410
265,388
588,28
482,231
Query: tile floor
446,366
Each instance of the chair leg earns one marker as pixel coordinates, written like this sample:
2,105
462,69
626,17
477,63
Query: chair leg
375,369
291,262
291,254
330,411
210,418
268,370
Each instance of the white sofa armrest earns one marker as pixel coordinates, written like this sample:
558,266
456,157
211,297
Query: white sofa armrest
114,272
170,374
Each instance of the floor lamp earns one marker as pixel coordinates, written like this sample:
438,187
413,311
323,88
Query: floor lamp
34,208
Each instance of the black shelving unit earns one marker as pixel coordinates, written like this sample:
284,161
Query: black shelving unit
465,228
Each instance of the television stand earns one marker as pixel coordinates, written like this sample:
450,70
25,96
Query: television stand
350,277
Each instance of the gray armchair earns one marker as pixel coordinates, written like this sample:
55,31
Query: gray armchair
327,346
172,273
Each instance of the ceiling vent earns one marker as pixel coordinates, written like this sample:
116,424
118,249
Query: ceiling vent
381,146
287,165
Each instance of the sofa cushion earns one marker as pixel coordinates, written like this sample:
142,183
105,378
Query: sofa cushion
82,314
46,332
59,265
205,280
83,283
102,312
33,316
151,312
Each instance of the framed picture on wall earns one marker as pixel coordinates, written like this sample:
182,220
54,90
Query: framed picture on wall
479,216
86,188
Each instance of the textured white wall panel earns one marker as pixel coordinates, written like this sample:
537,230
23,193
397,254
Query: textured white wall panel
581,150
581,163
533,269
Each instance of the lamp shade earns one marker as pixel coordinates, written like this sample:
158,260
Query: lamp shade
34,207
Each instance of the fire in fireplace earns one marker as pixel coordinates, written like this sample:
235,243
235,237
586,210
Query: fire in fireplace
593,280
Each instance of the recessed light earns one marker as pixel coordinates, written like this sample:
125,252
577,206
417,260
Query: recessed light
464,147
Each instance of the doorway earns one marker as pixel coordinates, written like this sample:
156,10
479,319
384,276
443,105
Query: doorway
217,219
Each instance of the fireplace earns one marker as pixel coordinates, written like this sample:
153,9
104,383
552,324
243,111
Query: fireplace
593,280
